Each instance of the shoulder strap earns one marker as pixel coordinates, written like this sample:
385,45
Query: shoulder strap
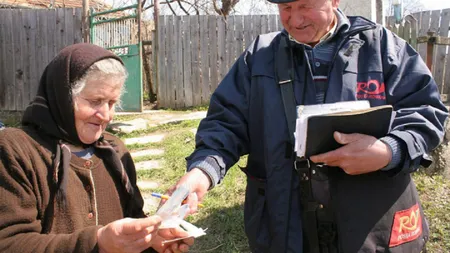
285,75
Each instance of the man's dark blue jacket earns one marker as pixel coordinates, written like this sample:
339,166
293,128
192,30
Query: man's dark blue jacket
246,116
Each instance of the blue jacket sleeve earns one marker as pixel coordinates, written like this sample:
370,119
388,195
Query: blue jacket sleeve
420,114
222,137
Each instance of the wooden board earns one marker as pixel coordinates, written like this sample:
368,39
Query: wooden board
171,62
213,58
179,89
248,28
187,83
204,59
239,36
424,25
18,33
441,51
221,48
195,56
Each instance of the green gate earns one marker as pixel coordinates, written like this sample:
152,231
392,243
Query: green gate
118,30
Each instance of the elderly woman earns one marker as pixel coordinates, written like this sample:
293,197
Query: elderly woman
66,185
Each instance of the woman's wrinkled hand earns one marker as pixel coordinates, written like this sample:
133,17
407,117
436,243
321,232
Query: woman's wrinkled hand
128,235
172,247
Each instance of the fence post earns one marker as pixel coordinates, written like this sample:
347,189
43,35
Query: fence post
85,21
430,49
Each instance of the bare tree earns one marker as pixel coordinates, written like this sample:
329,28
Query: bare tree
183,7
211,7
255,7
226,8
409,7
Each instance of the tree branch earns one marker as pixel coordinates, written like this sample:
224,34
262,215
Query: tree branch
170,6
216,8
181,6
168,3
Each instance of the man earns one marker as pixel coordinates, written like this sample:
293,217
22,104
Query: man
357,198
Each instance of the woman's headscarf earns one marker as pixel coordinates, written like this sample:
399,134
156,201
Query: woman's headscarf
52,112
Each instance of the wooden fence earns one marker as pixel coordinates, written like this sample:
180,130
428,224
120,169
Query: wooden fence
29,39
418,25
194,53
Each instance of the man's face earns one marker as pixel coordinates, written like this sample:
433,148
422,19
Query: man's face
308,20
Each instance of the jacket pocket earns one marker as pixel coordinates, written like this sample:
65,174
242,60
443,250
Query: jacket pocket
408,230
255,216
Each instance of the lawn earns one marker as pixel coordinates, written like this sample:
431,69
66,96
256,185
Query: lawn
223,211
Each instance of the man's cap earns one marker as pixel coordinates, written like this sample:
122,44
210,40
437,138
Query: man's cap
280,1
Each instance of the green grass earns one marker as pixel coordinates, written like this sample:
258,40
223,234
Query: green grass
223,211
435,197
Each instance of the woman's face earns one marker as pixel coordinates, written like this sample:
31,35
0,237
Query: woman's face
94,107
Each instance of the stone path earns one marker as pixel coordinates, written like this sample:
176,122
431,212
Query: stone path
150,119
147,152
148,165
153,138
147,185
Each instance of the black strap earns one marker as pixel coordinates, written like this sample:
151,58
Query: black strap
284,64
314,243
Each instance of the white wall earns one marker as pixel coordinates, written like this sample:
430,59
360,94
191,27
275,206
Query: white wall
365,8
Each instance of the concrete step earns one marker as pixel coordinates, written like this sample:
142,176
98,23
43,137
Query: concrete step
147,185
148,165
147,152
153,138
151,119
128,126
166,119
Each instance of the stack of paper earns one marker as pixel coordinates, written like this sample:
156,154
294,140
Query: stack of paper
316,123
173,214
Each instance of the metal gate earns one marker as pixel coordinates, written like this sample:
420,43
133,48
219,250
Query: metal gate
118,30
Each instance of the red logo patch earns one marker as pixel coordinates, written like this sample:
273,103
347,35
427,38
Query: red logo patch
371,89
407,226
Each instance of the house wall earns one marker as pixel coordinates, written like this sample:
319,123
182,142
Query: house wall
365,8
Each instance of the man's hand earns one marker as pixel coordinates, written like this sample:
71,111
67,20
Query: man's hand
199,184
175,247
128,235
360,154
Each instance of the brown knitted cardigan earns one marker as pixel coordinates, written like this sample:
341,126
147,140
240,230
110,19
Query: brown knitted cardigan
26,207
